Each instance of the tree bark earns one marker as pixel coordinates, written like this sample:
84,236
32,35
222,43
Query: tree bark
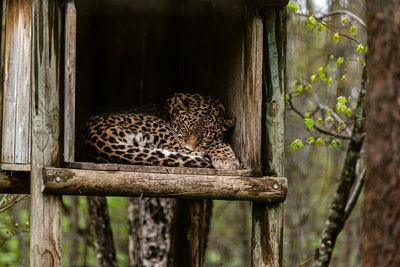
102,233
381,212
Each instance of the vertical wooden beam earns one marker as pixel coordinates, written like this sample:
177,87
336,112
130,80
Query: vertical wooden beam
16,83
267,218
69,81
46,133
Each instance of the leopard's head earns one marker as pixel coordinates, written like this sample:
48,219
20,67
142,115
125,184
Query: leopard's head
197,119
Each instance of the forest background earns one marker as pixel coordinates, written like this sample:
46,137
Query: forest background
312,172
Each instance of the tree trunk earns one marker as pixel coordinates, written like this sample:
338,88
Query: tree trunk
102,233
381,222
151,234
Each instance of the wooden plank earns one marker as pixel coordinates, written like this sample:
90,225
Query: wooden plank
160,169
122,183
15,167
16,83
69,81
14,182
45,215
267,218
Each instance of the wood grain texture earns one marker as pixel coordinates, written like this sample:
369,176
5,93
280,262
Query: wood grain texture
15,167
16,83
45,216
160,169
69,81
122,183
267,222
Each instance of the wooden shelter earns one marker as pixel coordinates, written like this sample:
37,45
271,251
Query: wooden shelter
65,60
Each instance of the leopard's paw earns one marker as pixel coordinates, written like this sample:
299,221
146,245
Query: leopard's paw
225,163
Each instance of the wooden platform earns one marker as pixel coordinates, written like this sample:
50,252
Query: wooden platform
132,180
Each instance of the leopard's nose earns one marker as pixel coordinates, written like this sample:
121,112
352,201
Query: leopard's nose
191,141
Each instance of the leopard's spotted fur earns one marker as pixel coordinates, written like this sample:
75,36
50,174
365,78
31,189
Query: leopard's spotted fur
190,134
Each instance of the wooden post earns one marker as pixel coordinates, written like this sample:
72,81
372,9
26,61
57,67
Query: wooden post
267,218
16,83
45,113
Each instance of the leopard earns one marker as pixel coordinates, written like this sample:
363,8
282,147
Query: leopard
186,131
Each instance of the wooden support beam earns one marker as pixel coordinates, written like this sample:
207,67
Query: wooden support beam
122,183
45,216
267,218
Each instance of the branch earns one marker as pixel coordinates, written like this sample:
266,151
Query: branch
10,202
344,12
319,19
315,126
354,197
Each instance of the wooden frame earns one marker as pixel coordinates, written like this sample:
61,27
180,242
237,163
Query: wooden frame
35,143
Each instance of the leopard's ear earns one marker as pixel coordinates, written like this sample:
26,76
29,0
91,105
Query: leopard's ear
228,123
176,103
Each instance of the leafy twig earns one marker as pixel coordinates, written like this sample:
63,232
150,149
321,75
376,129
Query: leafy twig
315,126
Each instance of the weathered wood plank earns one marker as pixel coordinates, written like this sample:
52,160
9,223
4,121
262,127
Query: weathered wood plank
122,183
160,169
69,81
267,218
14,182
15,167
45,216
16,83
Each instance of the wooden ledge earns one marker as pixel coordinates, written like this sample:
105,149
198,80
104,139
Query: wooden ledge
67,181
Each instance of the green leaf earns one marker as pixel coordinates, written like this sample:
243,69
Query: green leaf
342,99
321,26
352,30
307,115
292,6
296,145
343,124
319,141
321,74
287,97
339,61
349,112
358,59
308,87
360,49
331,57
336,37
313,78
310,140
338,129
349,99
329,118
364,64
341,108
345,20
299,89
343,78
295,83
329,81
320,121
329,111
308,123
334,144
311,22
